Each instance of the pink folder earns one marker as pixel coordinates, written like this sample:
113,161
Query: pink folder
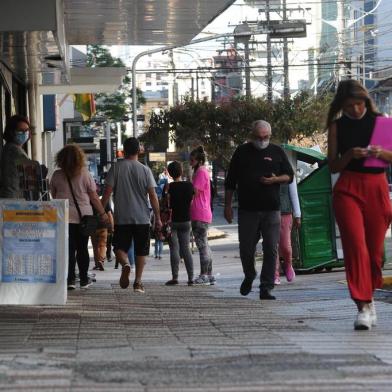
382,136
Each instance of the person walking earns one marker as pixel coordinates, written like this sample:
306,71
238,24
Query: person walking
134,186
256,170
180,194
290,215
99,240
360,195
201,214
72,181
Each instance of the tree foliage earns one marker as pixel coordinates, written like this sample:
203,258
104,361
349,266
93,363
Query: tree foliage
220,129
114,106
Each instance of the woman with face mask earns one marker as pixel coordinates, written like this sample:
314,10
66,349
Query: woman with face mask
16,134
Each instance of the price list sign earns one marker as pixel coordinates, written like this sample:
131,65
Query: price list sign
29,243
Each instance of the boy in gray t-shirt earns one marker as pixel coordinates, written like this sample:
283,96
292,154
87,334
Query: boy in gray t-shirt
132,184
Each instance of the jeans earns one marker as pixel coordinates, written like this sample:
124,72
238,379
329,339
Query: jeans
179,245
158,248
78,253
252,224
200,231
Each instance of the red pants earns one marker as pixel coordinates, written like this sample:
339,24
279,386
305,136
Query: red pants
363,213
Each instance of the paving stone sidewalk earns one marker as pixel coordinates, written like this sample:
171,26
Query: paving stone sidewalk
197,338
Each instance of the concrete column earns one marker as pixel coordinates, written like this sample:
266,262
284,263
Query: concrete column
36,134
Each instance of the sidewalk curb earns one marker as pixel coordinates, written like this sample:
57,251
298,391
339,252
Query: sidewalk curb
214,234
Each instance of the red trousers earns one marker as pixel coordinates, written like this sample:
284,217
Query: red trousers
363,213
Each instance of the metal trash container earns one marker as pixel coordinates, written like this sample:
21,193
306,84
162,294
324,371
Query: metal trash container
316,245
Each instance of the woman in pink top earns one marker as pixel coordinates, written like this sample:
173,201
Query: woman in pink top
72,163
201,214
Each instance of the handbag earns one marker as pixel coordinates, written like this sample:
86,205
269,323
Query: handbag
88,223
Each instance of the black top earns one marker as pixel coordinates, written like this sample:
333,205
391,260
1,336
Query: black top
247,165
356,133
181,194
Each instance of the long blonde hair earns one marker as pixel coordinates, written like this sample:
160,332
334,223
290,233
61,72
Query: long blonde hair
71,159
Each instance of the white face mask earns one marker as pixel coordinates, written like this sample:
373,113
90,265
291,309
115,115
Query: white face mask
260,144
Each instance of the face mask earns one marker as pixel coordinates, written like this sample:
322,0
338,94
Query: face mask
260,144
21,138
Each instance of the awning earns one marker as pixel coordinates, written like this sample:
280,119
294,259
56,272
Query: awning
88,80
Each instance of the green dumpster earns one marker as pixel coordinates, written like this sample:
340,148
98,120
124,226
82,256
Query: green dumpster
316,244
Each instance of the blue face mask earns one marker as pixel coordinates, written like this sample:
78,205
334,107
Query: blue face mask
21,137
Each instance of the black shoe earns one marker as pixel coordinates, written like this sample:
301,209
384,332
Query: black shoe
171,282
71,285
246,286
266,294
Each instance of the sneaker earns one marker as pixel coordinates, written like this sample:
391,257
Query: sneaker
92,276
373,314
124,278
132,269
71,286
190,283
86,285
171,282
202,280
290,273
246,286
363,321
277,280
138,287
212,279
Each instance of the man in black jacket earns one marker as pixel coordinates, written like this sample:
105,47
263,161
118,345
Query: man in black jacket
257,168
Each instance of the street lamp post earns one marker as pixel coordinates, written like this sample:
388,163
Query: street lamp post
162,49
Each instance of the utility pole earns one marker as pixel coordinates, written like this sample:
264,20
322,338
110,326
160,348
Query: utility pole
175,86
247,70
197,85
244,38
286,82
269,52
340,35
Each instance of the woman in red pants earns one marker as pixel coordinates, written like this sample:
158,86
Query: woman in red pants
360,196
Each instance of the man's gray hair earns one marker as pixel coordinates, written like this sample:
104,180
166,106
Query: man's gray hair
261,124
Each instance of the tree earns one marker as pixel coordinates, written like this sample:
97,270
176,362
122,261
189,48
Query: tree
115,106
220,129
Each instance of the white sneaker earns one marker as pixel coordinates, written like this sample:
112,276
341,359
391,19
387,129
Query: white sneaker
363,321
373,314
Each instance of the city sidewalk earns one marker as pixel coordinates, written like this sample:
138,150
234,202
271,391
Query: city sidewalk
197,338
